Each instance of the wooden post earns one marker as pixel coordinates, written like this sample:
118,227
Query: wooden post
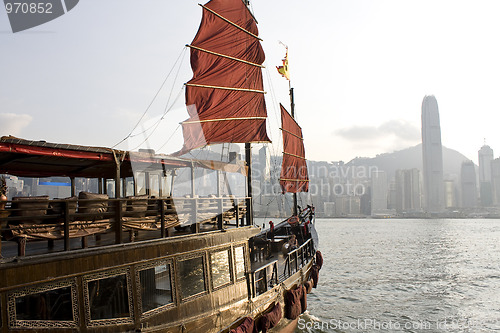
124,187
237,212
135,183
66,225
118,222
220,215
248,159
146,183
73,186
195,215
162,217
118,182
160,185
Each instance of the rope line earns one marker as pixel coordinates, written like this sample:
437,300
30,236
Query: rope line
154,97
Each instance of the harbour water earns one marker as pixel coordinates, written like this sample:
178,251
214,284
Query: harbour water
406,275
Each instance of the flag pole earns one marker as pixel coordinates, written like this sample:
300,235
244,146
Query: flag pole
283,70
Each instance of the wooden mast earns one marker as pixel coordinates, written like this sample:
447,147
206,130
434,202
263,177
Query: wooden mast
249,203
248,160
292,109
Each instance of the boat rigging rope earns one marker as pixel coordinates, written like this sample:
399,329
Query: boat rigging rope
170,137
161,118
274,103
181,56
158,124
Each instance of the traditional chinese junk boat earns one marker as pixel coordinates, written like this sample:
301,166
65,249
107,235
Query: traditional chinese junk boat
130,259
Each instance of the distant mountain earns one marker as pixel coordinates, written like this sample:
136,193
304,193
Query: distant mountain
412,158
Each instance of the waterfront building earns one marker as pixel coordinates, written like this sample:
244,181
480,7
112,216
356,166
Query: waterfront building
408,191
468,183
432,153
329,209
346,205
378,192
485,156
450,194
264,164
391,196
495,181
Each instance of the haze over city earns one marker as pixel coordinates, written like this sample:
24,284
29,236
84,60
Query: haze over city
387,220
360,71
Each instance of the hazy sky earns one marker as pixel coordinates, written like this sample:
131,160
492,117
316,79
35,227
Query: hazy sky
360,71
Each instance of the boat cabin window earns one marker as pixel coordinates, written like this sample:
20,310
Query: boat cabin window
166,182
48,305
86,185
219,265
129,186
54,187
108,298
110,188
140,183
191,276
154,185
156,287
239,260
39,306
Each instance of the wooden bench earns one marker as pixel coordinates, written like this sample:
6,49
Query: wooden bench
37,218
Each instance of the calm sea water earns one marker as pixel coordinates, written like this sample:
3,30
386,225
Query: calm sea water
403,275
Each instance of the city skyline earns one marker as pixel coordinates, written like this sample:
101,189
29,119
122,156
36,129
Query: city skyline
358,91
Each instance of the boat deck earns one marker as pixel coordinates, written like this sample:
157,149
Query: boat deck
271,264
9,249
36,237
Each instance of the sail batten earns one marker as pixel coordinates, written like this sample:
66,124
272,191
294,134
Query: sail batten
227,84
230,22
302,157
222,119
225,88
294,180
226,56
294,177
298,137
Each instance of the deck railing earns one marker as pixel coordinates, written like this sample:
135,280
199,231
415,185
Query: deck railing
298,258
38,218
264,278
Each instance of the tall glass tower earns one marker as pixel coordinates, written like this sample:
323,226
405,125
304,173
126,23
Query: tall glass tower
432,152
485,156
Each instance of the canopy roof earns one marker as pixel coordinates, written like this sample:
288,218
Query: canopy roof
26,158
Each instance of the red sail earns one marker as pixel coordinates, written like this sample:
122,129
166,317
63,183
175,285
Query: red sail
294,177
225,97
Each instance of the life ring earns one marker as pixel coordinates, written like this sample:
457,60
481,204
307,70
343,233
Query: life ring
293,220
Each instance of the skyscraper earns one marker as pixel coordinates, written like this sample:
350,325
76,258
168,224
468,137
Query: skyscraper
432,152
379,192
495,181
468,181
485,156
408,191
450,196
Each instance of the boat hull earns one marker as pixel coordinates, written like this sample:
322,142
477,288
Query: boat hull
28,286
